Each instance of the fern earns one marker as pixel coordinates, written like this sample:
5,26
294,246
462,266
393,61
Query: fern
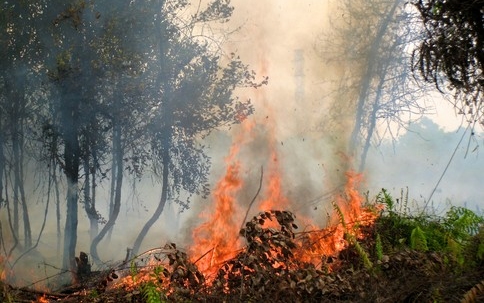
151,293
462,223
378,247
340,214
385,198
418,240
352,239
133,269
362,253
480,252
472,294
150,290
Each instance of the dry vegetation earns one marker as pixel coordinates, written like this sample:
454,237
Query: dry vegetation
396,258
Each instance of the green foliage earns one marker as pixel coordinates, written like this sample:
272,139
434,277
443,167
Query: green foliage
378,247
151,289
386,199
340,214
462,223
449,53
133,270
457,234
151,294
362,253
93,294
418,240
352,239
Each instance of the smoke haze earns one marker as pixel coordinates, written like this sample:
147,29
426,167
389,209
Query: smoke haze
302,129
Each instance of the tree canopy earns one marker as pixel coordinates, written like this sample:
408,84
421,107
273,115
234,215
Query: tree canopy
130,88
451,52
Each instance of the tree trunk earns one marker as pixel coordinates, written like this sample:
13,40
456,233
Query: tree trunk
57,212
94,223
23,199
113,190
70,115
166,131
89,205
161,205
118,154
372,126
368,76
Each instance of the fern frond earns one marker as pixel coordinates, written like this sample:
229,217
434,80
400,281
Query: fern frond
151,293
418,240
378,247
362,253
471,295
340,214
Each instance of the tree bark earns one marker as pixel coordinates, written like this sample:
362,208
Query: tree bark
113,189
368,76
70,113
161,204
89,202
118,154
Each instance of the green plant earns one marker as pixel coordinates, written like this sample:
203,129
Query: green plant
462,223
418,241
378,247
151,294
350,237
93,294
386,199
133,270
151,290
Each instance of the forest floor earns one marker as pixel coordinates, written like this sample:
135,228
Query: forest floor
405,276
384,263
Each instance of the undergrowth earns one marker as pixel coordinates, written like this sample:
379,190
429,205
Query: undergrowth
458,234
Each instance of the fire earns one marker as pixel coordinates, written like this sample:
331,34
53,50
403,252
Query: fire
348,216
43,299
218,236
274,196
217,239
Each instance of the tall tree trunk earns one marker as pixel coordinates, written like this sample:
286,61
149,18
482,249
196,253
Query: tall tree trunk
10,223
23,199
94,223
166,131
372,126
71,161
89,205
161,204
15,201
118,154
368,75
55,181
113,189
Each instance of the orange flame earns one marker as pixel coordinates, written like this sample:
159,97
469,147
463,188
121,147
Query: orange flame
318,244
43,299
217,239
218,236
274,196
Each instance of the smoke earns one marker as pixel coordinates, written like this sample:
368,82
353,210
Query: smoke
296,116
301,129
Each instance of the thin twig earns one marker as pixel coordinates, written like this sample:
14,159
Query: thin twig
203,255
253,199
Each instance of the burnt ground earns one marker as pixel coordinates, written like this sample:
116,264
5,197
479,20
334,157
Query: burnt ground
405,276
267,270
